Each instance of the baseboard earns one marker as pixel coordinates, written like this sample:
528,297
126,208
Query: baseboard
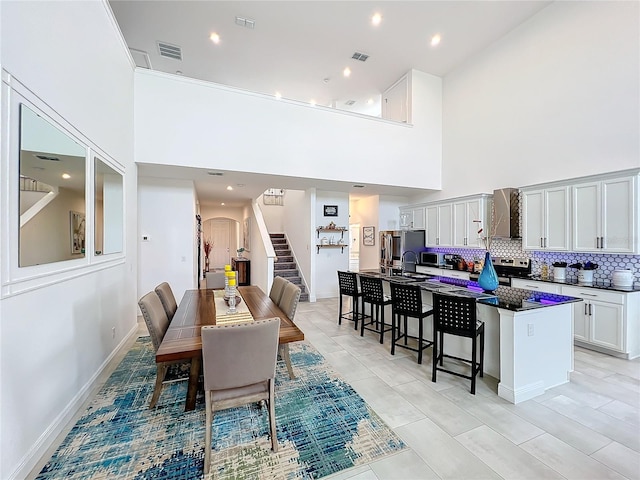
45,441
521,394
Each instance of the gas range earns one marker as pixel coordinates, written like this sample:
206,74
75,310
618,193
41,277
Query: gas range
508,268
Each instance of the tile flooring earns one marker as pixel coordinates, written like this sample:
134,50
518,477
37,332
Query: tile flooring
586,429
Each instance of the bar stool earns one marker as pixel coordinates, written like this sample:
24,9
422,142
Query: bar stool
373,293
348,283
407,302
457,316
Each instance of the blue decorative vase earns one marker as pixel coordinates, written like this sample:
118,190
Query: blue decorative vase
488,279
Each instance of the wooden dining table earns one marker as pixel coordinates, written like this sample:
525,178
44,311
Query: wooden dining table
197,308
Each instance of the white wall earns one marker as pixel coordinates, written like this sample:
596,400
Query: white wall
166,214
57,334
300,232
365,212
556,98
330,260
211,126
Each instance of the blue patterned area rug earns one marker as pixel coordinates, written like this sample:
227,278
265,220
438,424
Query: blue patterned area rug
323,427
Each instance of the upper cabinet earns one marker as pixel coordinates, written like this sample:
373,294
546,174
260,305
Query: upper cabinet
466,215
545,219
395,101
605,215
439,225
412,218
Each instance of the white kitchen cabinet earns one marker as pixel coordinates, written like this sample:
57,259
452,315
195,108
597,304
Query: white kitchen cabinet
546,218
607,320
605,216
442,272
412,218
527,284
439,222
465,214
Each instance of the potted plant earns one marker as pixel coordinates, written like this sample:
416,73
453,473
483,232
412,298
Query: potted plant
585,271
240,251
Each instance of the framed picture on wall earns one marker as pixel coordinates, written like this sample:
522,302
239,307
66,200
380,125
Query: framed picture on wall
77,231
369,236
330,210
246,234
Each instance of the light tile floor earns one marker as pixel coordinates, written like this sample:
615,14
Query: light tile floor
585,429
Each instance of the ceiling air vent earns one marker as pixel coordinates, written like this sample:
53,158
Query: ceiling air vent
170,51
51,159
360,56
350,102
141,58
215,174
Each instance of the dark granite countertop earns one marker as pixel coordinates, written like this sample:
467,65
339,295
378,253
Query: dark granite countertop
514,299
600,284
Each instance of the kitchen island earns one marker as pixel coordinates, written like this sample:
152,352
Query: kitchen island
528,334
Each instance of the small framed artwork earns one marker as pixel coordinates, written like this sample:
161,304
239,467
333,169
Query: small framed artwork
369,236
77,232
246,234
330,210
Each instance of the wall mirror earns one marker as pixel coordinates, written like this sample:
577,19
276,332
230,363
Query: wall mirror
108,208
52,193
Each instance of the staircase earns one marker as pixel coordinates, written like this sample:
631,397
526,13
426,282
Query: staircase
285,266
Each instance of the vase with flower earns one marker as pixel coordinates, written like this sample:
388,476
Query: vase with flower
488,279
207,245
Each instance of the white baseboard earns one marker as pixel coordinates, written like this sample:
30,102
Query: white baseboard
45,441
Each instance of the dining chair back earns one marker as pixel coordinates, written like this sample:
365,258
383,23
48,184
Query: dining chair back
406,301
239,367
373,293
167,299
277,287
457,316
348,286
215,279
289,300
155,317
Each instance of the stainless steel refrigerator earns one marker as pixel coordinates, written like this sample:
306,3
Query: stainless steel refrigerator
394,244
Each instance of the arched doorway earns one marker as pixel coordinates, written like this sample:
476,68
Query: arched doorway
223,233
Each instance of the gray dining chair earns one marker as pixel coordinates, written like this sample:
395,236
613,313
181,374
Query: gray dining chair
277,287
157,323
248,353
289,304
168,299
215,279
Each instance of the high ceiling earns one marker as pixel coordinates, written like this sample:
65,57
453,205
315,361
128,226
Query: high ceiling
301,48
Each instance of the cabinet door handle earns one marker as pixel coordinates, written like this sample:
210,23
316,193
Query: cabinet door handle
545,242
533,287
586,309
601,242
541,243
588,294
590,313
597,242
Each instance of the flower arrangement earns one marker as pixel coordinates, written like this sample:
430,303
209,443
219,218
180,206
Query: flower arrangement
487,238
207,245
588,265
240,251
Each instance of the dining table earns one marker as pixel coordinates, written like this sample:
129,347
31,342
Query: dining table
202,307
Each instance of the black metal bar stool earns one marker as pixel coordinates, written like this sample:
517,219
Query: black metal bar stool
457,316
407,302
348,283
373,293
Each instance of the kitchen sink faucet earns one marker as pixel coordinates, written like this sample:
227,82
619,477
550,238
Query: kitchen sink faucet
403,259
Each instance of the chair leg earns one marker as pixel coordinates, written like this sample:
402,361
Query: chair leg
207,437
161,371
406,331
354,312
441,348
381,323
393,334
434,366
474,348
272,416
340,311
284,353
482,353
420,328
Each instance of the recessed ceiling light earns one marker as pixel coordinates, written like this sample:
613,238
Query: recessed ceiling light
435,40
312,102
278,95
376,19
346,72
229,187
66,176
222,204
370,101
215,38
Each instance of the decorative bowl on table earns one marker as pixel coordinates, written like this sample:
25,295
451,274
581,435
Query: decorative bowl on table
238,300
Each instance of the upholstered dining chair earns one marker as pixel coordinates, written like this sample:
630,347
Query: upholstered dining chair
157,322
215,279
167,298
247,353
406,302
277,287
457,316
289,304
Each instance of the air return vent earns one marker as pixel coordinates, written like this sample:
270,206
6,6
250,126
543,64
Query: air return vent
170,51
360,56
350,102
45,157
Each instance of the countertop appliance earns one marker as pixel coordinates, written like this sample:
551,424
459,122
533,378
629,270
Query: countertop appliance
506,218
508,268
431,259
454,262
399,250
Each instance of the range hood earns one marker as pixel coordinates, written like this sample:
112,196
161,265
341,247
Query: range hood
506,213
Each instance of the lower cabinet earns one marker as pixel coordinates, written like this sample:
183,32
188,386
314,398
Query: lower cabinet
243,267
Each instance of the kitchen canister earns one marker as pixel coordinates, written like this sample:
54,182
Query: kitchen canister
560,273
585,276
622,278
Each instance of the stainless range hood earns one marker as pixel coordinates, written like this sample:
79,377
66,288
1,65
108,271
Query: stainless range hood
506,215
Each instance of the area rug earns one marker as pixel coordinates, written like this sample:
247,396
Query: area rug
323,427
